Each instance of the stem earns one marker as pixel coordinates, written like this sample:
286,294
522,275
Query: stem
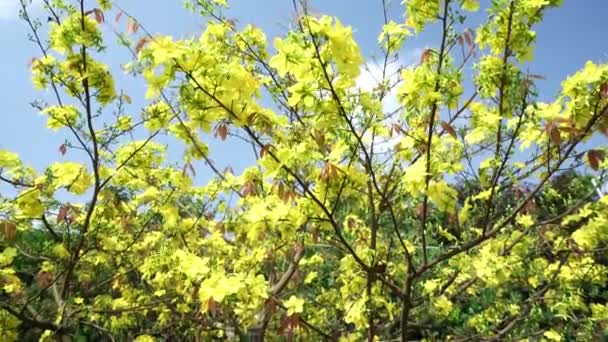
497,172
434,108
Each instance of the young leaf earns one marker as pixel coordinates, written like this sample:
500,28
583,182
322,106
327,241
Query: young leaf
141,43
63,214
132,25
63,148
604,90
99,17
249,189
595,157
44,278
449,129
118,16
426,54
221,131
329,172
554,134
127,98
8,229
265,149
469,37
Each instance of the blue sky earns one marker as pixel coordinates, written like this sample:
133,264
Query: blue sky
569,36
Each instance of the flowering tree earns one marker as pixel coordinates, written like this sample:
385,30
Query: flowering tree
348,226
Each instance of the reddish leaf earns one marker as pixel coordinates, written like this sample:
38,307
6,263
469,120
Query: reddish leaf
329,172
63,149
604,90
419,210
396,128
63,214
448,128
452,219
468,37
141,43
554,134
221,131
99,17
285,193
44,279
118,16
212,306
132,25
595,157
426,54
249,189
265,149
9,230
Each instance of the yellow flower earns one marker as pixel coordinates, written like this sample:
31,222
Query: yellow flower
294,305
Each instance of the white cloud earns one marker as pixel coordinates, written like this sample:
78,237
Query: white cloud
370,78
9,9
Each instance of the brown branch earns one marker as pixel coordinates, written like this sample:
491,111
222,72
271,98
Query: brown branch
496,173
38,41
94,164
292,173
475,242
291,269
431,129
32,323
50,229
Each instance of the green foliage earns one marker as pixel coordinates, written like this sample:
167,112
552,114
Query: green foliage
464,214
